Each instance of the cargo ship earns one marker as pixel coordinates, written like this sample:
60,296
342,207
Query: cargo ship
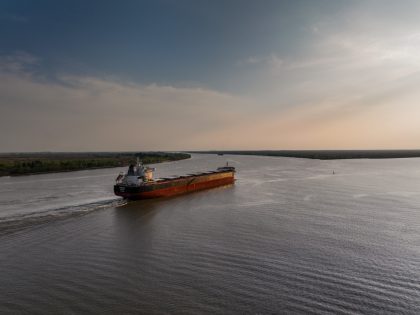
138,182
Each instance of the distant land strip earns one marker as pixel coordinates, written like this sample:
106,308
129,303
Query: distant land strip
13,164
326,154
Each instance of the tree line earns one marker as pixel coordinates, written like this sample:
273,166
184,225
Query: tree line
20,164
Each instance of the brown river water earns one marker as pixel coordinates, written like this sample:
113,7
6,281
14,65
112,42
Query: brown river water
289,237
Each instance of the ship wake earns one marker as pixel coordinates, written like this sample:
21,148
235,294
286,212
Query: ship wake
15,223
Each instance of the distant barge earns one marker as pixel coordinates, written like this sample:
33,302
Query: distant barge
138,182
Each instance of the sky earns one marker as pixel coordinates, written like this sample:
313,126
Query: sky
201,75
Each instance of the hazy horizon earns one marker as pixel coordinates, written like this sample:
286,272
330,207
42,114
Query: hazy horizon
98,76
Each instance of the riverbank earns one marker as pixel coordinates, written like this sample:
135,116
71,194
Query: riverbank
15,164
326,154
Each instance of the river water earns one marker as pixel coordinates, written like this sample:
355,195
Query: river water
289,236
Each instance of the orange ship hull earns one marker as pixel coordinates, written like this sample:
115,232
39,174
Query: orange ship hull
176,186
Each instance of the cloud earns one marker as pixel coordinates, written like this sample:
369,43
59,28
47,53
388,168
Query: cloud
322,103
271,61
351,86
90,113
349,56
19,62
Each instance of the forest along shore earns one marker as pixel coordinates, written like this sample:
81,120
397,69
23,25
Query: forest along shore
326,154
14,164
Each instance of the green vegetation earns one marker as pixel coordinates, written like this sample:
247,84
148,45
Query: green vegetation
329,154
35,163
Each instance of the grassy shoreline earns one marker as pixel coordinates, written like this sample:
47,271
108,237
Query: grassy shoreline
17,164
326,154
